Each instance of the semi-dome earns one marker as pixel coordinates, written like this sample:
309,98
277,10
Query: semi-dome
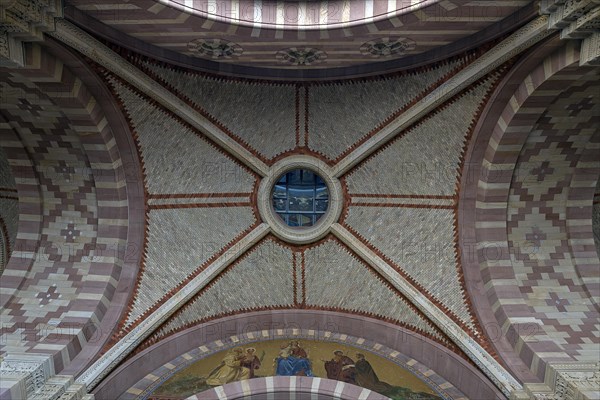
299,39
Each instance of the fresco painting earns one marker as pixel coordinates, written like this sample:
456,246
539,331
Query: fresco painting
297,358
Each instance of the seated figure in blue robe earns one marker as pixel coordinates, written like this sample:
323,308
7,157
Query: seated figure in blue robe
293,361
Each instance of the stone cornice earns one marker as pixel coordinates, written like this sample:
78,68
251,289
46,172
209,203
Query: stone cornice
24,21
576,19
564,381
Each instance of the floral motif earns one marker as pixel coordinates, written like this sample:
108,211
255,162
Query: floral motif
386,47
214,48
296,56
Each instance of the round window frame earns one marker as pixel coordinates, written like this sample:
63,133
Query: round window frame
301,234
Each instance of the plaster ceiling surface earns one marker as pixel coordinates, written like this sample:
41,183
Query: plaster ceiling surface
298,35
201,201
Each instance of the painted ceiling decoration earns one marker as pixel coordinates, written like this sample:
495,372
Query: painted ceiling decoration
151,199
306,56
168,30
407,377
387,47
214,48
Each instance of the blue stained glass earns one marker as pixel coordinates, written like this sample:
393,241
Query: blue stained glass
300,198
280,192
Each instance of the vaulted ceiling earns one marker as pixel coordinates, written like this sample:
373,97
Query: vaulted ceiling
140,140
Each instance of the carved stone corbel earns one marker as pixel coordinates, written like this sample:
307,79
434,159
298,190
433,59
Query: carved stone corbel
590,50
31,376
564,381
24,21
22,375
576,19
62,387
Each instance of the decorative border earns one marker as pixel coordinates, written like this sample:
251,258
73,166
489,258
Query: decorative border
414,7
287,387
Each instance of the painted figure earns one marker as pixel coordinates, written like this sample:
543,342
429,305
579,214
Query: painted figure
230,369
293,361
341,368
296,350
251,361
366,377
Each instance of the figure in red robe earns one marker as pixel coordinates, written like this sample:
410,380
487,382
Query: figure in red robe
340,368
296,350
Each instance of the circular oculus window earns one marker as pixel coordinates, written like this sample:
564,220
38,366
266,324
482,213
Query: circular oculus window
300,199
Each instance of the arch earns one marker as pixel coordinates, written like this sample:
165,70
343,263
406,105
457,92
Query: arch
384,339
468,195
82,159
125,149
285,387
579,210
30,210
493,158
